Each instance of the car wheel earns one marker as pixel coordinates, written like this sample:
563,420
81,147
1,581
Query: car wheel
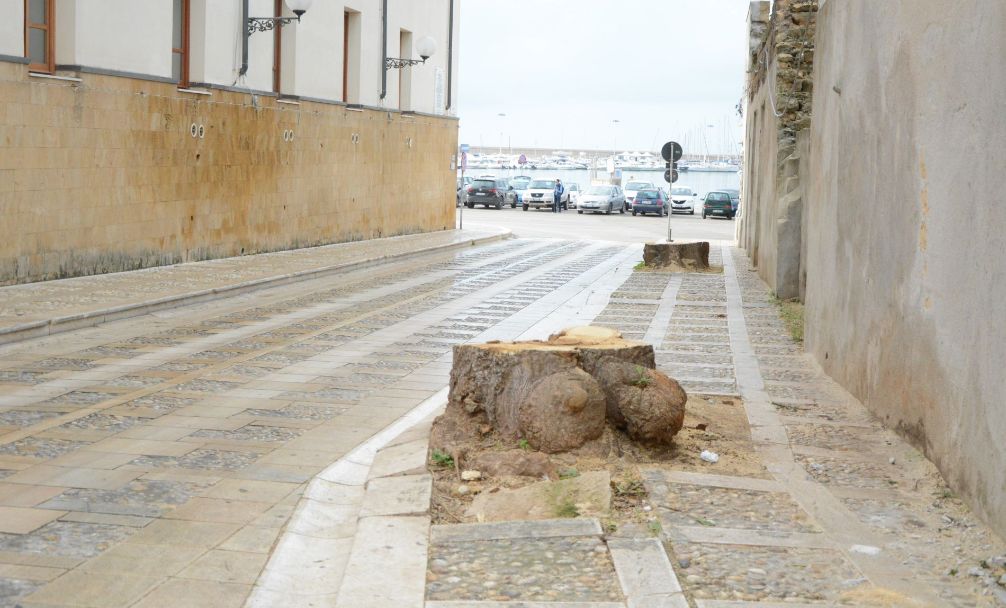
498,206
703,215
633,213
524,207
580,212
608,210
692,212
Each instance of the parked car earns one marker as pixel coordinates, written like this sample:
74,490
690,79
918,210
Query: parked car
632,187
735,199
649,201
717,203
489,193
683,200
573,192
540,194
602,199
520,183
463,183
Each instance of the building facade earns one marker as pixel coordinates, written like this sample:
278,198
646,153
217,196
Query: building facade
135,134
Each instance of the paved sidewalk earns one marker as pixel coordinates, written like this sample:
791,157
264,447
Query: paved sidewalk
838,512
38,309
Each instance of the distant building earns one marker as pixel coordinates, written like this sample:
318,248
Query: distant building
138,133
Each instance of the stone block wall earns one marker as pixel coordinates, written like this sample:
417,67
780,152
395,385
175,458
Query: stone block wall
104,175
779,102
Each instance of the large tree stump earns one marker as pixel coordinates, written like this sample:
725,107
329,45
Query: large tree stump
691,256
545,391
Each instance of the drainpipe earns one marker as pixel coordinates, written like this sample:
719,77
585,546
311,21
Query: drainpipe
384,48
244,38
450,54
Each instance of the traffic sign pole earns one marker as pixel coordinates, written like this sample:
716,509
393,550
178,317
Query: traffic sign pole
671,153
464,165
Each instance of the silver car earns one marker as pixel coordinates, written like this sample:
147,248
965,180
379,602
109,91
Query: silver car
602,199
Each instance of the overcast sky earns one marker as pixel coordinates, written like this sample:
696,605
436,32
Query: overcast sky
563,70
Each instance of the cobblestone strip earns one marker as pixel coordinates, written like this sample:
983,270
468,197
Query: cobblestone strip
767,430
658,325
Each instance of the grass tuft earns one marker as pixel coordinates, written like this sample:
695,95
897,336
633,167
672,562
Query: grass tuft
442,459
791,312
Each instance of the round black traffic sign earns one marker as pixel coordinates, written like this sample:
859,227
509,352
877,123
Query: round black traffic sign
671,176
671,151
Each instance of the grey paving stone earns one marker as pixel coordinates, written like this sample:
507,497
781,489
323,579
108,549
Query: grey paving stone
517,529
66,539
37,447
205,459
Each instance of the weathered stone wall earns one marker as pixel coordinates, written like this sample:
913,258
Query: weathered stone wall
104,175
780,91
906,273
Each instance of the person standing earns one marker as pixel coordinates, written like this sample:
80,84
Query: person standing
557,196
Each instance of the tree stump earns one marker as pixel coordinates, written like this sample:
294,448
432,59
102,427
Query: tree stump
546,392
690,256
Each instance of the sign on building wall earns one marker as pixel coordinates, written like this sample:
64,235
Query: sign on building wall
438,91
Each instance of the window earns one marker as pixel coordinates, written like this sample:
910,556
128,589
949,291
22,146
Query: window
39,29
180,43
351,24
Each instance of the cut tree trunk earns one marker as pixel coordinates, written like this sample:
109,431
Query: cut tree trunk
691,256
544,392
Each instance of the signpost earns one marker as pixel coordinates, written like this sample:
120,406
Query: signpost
464,165
671,153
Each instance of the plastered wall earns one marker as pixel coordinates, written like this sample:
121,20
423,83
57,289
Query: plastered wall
906,227
103,175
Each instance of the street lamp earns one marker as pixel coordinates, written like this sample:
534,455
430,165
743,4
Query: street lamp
426,47
614,145
501,115
264,24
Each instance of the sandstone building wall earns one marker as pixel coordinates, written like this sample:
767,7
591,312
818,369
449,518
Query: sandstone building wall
103,175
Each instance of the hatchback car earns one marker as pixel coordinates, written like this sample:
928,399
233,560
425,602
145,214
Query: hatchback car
488,192
717,203
649,201
632,187
683,200
602,199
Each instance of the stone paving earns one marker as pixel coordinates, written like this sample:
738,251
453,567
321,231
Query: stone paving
157,460
841,506
38,303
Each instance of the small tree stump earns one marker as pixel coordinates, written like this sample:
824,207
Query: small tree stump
692,256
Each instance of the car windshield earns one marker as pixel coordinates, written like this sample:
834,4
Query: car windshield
647,194
638,185
682,191
542,184
484,183
599,190
718,196
521,182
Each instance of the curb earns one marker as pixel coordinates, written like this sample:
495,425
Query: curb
40,329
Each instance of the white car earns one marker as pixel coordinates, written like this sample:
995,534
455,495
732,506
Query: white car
631,188
683,200
602,199
573,191
540,194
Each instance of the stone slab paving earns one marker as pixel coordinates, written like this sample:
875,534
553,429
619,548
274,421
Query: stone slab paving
182,441
32,310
